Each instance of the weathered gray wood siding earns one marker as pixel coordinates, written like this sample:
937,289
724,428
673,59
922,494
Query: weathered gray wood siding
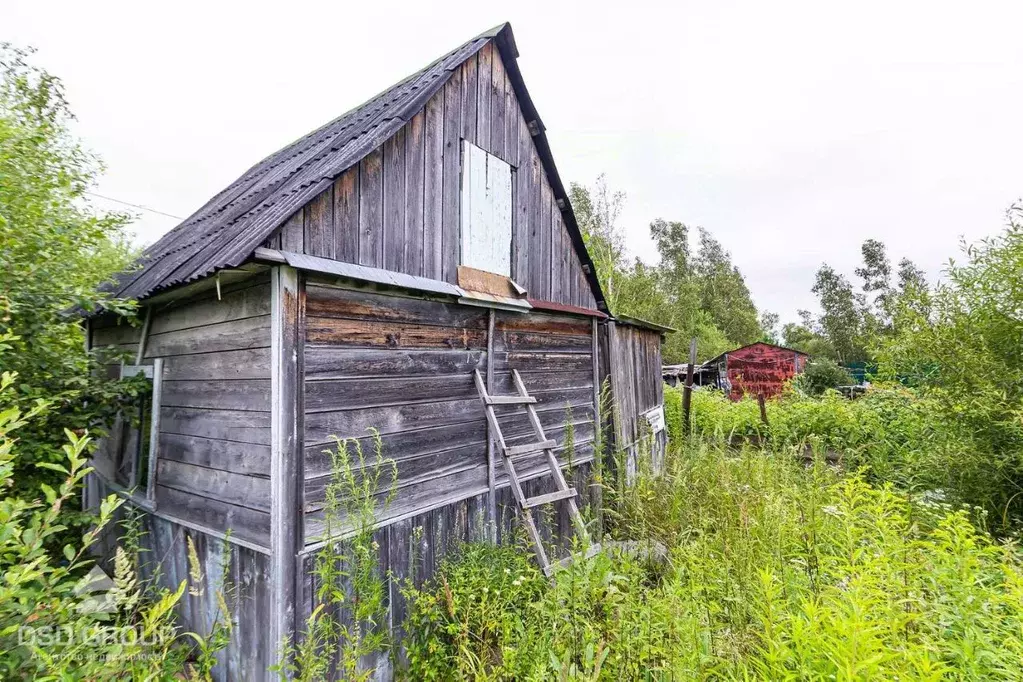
404,366
634,371
399,208
214,455
411,549
213,462
240,574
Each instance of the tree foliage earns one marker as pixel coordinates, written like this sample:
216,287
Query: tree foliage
698,291
56,252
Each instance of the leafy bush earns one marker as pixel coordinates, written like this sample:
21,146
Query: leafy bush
820,374
49,628
774,571
56,253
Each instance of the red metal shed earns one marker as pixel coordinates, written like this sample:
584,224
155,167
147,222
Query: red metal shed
757,368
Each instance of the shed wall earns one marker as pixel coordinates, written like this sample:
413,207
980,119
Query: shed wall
404,366
399,208
213,458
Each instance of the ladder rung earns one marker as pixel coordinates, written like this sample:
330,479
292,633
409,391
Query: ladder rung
516,450
510,400
530,502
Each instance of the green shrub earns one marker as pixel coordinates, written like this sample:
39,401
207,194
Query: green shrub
48,628
820,374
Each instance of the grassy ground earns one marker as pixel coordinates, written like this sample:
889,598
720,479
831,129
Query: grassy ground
775,570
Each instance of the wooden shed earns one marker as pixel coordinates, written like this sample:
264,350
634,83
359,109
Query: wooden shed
356,280
757,369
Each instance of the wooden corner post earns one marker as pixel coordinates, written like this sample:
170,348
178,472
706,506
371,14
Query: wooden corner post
285,452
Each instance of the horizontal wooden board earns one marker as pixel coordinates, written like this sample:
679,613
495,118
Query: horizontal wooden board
236,425
543,381
531,341
402,445
544,324
410,471
320,426
346,394
253,363
419,495
541,361
243,522
240,458
251,332
238,394
117,335
347,332
324,301
238,489
330,362
251,301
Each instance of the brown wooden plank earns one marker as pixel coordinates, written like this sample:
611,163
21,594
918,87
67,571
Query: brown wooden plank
525,341
485,73
229,364
345,394
231,394
235,425
415,163
345,332
319,224
545,381
252,492
250,332
122,335
394,202
324,301
329,362
543,323
346,216
226,455
371,207
451,183
433,205
469,95
498,126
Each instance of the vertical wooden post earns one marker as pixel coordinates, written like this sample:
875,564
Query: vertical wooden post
687,391
599,436
491,445
154,430
285,453
763,408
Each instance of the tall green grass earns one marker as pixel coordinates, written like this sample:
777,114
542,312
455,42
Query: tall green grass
775,570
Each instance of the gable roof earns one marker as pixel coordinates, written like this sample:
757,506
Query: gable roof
750,345
227,230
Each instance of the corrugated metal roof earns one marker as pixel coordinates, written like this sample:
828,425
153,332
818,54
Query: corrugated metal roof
226,231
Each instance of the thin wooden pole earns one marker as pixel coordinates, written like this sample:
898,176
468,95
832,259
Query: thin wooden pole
687,391
763,408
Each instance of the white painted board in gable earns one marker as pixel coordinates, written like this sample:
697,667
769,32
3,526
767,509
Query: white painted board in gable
486,211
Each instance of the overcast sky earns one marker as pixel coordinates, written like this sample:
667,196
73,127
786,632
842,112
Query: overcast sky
792,131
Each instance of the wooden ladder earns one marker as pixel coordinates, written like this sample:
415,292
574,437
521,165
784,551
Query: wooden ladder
510,453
